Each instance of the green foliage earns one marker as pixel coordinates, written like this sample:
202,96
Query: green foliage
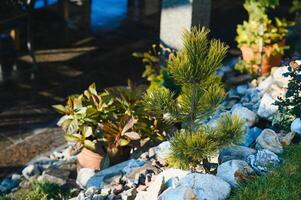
155,61
283,183
296,6
41,191
259,32
189,149
112,118
201,93
81,116
290,105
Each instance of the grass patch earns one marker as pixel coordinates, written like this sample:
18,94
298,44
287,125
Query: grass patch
40,191
283,183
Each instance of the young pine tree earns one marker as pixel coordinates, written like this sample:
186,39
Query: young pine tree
193,69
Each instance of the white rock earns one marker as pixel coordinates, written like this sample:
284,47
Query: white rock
116,170
173,176
268,139
179,193
266,108
83,176
153,190
247,115
296,126
30,170
162,150
235,172
281,80
262,160
264,85
206,186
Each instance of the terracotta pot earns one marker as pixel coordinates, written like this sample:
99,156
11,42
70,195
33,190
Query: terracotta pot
122,154
268,60
89,159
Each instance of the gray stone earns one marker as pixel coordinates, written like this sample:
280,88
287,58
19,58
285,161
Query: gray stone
129,194
268,139
30,171
81,196
91,191
235,153
162,150
296,126
55,175
235,172
281,80
122,168
264,85
98,197
263,160
16,177
286,139
7,185
267,108
178,193
173,176
251,136
242,89
247,115
206,186
83,176
153,190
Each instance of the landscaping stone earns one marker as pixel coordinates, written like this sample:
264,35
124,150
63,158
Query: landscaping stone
268,139
16,177
235,153
178,193
129,194
206,186
242,89
247,115
55,175
251,136
83,176
262,160
286,139
30,171
267,108
235,172
173,176
153,190
296,126
264,85
278,77
162,150
7,185
122,168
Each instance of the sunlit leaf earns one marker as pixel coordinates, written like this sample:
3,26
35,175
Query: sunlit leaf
60,108
132,135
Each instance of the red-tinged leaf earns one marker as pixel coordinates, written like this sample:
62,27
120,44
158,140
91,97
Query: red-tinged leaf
129,125
132,135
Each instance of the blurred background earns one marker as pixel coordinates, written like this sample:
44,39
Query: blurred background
50,49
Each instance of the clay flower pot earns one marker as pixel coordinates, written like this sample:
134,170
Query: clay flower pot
89,159
268,60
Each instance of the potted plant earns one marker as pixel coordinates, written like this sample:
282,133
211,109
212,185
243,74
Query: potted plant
89,120
261,40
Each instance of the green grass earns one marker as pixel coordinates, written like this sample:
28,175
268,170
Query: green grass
39,191
283,183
